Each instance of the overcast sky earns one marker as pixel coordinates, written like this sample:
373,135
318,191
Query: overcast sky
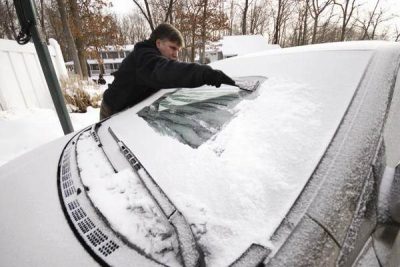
391,6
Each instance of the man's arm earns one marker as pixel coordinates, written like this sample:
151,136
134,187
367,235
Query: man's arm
159,72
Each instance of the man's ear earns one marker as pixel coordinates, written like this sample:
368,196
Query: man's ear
158,43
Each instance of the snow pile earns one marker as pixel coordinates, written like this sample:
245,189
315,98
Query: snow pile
125,203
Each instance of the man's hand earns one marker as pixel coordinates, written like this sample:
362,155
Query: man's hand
217,77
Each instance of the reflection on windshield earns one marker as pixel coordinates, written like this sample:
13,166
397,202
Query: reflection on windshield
193,116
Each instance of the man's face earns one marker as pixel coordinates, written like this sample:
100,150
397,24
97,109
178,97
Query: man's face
168,49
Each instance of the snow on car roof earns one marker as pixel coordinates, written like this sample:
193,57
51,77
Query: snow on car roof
238,186
337,46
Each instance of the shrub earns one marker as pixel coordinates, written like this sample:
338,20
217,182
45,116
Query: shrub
79,94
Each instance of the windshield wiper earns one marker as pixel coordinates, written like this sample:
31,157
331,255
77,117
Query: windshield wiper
96,137
191,253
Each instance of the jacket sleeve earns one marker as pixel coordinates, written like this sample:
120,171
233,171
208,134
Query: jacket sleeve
159,72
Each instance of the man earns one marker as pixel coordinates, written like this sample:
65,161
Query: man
153,65
101,79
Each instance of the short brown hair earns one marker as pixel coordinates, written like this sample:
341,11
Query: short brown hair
166,31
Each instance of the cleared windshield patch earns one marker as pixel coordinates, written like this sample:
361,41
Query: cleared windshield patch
194,115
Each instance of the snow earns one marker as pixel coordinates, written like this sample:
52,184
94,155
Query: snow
239,45
236,188
25,129
126,204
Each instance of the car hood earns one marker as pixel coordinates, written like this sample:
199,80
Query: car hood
33,229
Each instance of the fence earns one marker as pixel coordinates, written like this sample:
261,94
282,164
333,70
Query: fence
22,82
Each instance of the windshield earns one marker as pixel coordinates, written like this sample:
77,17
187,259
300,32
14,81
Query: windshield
193,116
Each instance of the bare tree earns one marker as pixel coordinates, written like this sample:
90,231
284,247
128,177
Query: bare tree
168,14
370,24
327,27
157,11
146,12
244,17
397,38
366,24
232,13
316,8
42,18
134,27
204,32
258,18
300,28
379,18
283,12
347,8
305,23
54,26
7,19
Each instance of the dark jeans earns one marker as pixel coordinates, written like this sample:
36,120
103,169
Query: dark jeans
105,111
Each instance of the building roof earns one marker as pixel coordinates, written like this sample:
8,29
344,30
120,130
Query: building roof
109,48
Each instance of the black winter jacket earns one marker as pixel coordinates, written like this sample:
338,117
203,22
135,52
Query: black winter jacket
145,71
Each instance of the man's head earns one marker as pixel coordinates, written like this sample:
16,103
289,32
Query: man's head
168,40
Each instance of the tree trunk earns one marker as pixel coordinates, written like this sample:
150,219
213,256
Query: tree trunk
42,19
68,36
305,26
277,23
203,33
314,35
147,13
11,30
244,19
366,28
168,15
231,18
193,50
78,38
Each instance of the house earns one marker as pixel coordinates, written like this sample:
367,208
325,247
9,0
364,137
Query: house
111,56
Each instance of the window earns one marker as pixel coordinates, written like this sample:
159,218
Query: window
103,55
113,54
193,116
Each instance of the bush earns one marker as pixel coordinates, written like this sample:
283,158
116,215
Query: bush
80,94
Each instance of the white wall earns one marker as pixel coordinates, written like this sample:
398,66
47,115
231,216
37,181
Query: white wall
22,82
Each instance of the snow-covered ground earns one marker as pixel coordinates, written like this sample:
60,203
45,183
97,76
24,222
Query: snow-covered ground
25,129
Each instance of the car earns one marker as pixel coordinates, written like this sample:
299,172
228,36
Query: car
302,171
